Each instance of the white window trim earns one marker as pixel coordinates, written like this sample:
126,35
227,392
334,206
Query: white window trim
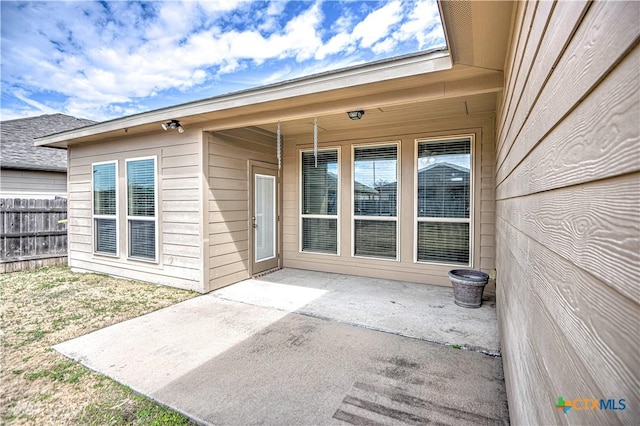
103,216
355,217
319,216
470,220
142,218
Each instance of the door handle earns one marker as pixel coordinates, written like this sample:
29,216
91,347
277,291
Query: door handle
253,219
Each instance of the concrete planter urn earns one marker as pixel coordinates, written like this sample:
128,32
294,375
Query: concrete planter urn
468,286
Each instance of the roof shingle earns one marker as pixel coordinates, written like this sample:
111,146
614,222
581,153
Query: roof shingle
17,149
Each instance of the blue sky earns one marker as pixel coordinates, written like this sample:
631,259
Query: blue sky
103,60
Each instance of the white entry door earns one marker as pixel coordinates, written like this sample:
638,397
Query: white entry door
264,219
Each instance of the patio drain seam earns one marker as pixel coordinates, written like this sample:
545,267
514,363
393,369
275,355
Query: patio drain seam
267,272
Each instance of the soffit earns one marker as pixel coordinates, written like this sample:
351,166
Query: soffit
390,115
477,31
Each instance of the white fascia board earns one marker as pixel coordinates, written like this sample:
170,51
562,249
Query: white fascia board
406,66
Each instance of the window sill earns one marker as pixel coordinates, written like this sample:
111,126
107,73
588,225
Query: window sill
450,265
385,259
107,255
318,253
143,260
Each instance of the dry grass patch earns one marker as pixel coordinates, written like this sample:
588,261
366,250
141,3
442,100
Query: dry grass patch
48,306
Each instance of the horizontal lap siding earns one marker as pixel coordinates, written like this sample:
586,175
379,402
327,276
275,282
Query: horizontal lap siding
229,154
568,211
179,171
405,269
32,184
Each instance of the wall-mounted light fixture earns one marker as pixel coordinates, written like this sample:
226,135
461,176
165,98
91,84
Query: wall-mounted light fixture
173,124
355,115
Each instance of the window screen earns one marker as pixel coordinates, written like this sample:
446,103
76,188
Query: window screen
443,242
320,194
375,201
106,236
320,235
444,201
105,208
141,208
141,188
142,237
104,189
375,238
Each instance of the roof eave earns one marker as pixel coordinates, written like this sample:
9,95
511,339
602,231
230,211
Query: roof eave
405,66
33,167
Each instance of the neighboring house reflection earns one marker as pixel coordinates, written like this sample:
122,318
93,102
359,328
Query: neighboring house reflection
443,190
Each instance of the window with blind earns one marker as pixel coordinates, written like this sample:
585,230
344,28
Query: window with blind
320,195
105,208
375,201
444,201
141,208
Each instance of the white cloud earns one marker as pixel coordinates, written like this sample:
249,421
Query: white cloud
423,24
276,7
344,23
384,46
101,60
221,5
302,33
20,94
378,24
338,43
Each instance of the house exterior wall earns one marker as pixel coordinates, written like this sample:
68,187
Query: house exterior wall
229,153
16,183
567,211
179,186
481,125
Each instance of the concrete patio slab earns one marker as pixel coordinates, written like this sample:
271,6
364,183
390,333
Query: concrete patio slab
424,312
222,361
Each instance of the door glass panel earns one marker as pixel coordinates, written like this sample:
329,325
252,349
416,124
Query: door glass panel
265,215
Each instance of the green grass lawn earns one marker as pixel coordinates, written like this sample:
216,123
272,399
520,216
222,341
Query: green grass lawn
41,308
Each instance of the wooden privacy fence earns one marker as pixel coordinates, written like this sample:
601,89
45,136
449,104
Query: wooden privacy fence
33,233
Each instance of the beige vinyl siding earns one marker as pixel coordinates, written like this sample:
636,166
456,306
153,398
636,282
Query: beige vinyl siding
179,231
481,125
32,184
568,210
229,153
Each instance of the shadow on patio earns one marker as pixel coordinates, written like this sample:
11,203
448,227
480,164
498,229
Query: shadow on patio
419,311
